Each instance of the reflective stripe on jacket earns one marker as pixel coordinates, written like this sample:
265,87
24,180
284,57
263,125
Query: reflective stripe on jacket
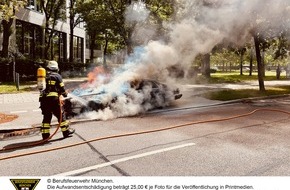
54,85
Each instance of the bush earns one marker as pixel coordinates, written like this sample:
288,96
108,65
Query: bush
4,69
26,68
73,69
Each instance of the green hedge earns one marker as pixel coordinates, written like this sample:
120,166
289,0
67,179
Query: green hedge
27,68
4,69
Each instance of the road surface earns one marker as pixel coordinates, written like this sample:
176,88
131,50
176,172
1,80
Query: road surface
256,145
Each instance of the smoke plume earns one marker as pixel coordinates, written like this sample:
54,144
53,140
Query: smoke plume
197,27
200,25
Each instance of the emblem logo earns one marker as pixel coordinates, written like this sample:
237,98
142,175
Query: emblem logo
25,184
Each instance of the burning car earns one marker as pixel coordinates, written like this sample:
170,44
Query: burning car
121,98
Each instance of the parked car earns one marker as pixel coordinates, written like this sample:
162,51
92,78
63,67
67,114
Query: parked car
148,93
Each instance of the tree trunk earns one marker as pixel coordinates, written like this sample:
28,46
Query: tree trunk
129,42
6,36
241,63
259,64
263,63
71,39
92,46
205,67
71,45
251,63
105,51
47,43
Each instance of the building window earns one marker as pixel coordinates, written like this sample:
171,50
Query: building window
29,39
61,46
38,42
55,46
34,5
19,36
58,46
78,49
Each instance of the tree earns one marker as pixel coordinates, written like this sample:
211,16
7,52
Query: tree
225,57
267,27
257,42
282,46
106,23
251,60
97,22
54,10
74,20
8,9
205,65
241,52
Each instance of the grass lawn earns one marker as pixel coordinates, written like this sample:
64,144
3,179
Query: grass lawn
224,95
10,87
235,77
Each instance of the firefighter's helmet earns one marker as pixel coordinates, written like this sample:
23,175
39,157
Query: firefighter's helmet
52,65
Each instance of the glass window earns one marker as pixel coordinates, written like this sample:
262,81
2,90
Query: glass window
38,42
75,49
78,49
55,45
58,46
29,39
34,5
19,36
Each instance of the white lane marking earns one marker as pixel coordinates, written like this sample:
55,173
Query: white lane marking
20,111
90,168
24,111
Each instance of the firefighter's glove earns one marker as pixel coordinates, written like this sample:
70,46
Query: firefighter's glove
64,94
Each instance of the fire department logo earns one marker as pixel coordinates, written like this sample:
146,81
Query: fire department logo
25,184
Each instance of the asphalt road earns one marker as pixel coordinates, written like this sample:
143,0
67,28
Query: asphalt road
256,145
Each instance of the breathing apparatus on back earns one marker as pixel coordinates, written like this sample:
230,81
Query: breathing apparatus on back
41,74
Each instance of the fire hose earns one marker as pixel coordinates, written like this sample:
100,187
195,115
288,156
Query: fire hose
40,141
140,132
41,83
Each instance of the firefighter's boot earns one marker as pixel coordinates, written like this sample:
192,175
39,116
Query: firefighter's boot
68,132
45,136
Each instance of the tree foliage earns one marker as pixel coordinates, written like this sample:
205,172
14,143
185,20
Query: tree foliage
54,10
74,20
7,15
9,7
106,21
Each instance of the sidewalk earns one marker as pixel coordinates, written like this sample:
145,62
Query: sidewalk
26,106
19,97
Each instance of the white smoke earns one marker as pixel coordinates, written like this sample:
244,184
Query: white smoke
198,27
201,25
136,12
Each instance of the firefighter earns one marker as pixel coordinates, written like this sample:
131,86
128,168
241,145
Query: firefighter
50,102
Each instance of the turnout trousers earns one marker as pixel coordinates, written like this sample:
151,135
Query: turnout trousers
51,106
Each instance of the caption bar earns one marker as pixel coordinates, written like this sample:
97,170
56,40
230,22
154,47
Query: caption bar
146,183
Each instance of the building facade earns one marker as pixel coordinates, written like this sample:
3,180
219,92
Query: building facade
29,31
